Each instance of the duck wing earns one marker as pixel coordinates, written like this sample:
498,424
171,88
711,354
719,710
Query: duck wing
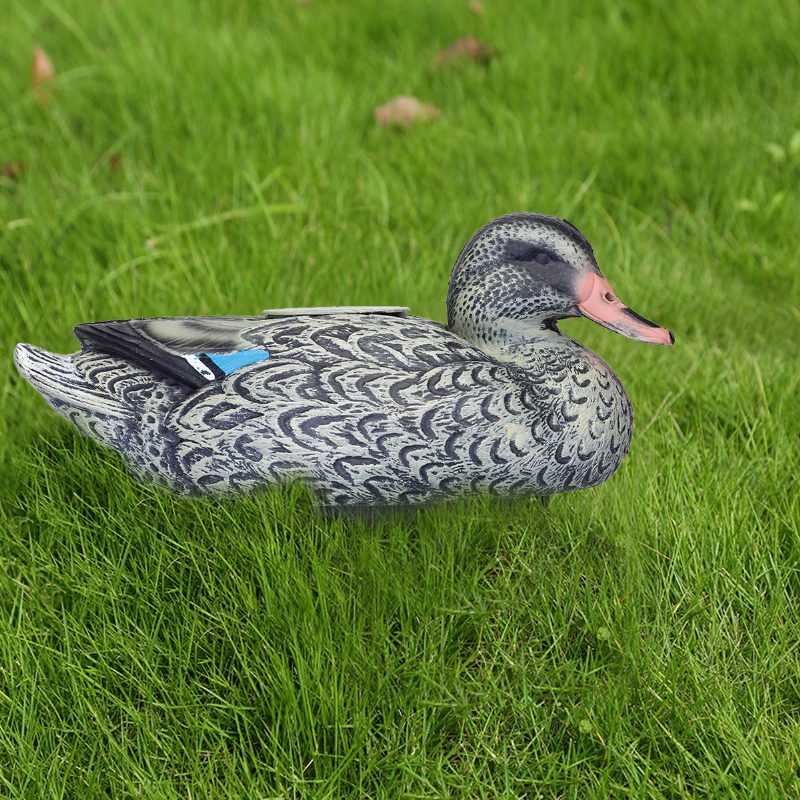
191,350
198,350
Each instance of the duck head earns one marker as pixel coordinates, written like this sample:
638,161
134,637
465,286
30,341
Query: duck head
519,274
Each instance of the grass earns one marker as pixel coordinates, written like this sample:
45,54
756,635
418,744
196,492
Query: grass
637,640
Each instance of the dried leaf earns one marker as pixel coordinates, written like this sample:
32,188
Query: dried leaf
115,162
12,170
476,7
466,48
404,111
42,74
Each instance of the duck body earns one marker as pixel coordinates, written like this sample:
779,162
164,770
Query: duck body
368,407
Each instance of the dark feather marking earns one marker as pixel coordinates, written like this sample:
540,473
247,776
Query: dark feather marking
507,402
450,485
273,375
215,418
537,433
101,367
424,469
426,423
380,442
361,387
376,417
494,453
473,451
458,375
315,391
241,447
488,415
309,425
578,401
515,449
457,415
497,485
528,399
142,388
324,340
431,385
553,422
370,485
565,413
209,480
341,464
406,452
518,486
287,417
380,348
242,480
476,373
450,443
559,455
399,386
335,383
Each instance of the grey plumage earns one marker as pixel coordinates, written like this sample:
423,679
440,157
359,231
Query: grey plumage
366,408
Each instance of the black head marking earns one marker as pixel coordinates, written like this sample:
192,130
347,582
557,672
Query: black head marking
524,218
516,250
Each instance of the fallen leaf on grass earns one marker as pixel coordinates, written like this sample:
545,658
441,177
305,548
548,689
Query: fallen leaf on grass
466,48
476,7
12,170
405,111
115,162
42,74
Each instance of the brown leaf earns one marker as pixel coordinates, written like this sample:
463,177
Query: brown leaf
115,162
42,74
12,170
466,48
404,111
476,7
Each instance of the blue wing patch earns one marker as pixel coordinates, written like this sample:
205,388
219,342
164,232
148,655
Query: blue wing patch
214,366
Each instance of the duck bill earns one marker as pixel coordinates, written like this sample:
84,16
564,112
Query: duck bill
599,303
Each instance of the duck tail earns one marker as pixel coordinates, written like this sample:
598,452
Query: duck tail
93,411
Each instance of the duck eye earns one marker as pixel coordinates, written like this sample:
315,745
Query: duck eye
542,258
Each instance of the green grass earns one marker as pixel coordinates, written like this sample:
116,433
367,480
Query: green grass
637,640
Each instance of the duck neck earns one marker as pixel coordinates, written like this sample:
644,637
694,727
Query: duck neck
520,342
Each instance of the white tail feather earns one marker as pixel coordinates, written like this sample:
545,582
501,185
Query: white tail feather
56,379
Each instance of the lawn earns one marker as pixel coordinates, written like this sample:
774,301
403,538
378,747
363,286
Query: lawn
636,640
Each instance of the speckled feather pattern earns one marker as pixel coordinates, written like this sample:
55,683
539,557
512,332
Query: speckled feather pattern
379,410
372,409
487,287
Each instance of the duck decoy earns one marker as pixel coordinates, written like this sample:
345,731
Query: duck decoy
370,405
